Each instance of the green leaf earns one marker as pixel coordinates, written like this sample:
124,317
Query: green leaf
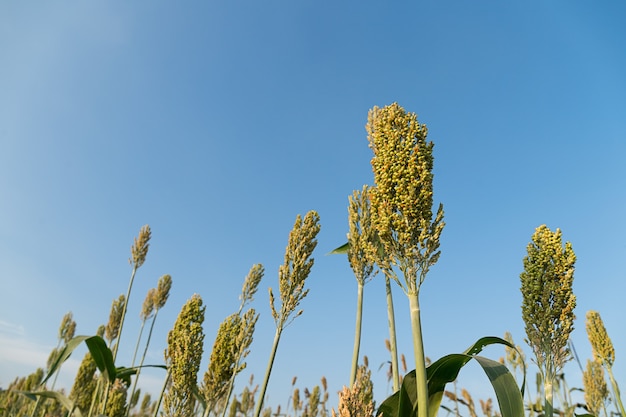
341,250
64,354
62,399
102,356
446,369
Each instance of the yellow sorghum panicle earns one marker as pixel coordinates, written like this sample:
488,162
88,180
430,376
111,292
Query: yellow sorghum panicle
469,401
594,383
548,300
139,250
402,199
361,236
357,401
601,344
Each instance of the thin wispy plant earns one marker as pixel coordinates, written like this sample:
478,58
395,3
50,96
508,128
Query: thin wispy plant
155,301
548,303
248,290
292,277
138,251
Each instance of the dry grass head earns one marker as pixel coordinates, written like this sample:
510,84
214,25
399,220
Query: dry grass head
139,250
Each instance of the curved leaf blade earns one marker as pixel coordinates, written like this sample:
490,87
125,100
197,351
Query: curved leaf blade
508,394
102,356
62,399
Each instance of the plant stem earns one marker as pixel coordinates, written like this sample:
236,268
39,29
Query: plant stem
119,336
357,334
420,359
548,408
616,393
268,371
158,404
143,357
395,370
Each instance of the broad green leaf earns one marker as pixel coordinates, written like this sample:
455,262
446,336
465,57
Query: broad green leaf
404,403
62,399
508,394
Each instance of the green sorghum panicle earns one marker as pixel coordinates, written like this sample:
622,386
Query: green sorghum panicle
548,298
116,404
601,345
183,356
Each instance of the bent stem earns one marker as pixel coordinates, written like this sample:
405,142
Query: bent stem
420,359
357,334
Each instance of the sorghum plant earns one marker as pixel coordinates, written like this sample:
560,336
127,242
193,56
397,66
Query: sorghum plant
402,211
138,251
548,303
596,391
158,297
603,352
183,356
361,237
292,277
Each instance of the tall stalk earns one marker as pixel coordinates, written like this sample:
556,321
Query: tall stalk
402,212
291,279
362,244
393,341
139,250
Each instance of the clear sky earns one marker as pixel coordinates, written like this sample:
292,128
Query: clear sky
218,122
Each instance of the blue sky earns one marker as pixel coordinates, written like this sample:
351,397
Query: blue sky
216,123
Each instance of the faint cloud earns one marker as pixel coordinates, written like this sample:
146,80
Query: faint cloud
20,357
11,328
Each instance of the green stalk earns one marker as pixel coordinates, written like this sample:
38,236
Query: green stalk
616,393
395,370
357,334
158,405
548,408
119,336
420,359
270,364
143,357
